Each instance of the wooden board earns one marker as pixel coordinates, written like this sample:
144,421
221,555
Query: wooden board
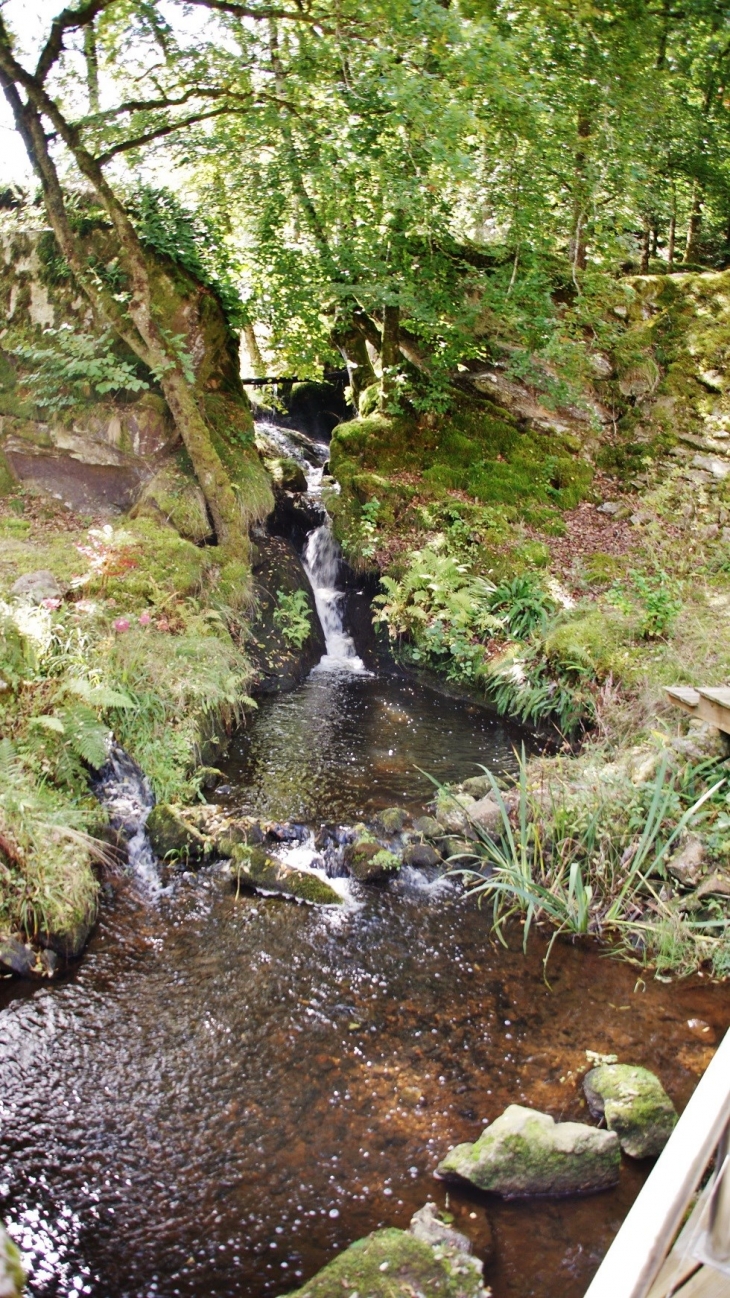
705,1283
709,703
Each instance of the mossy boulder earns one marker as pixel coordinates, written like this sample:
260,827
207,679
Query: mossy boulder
172,838
391,820
421,855
367,859
526,1153
175,497
634,1104
287,474
12,1279
428,827
394,1264
452,811
255,868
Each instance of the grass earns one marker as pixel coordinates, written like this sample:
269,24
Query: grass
143,645
589,857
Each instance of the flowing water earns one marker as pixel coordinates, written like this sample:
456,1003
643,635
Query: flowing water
231,1088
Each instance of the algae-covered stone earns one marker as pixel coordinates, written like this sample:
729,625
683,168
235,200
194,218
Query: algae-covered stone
254,867
635,1106
12,1279
477,786
421,855
526,1153
428,827
172,837
391,820
394,1264
451,811
367,860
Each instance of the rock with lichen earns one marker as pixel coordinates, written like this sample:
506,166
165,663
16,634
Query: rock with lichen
395,1264
634,1104
526,1153
428,1225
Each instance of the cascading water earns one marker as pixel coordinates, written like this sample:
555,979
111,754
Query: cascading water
321,564
322,556
123,788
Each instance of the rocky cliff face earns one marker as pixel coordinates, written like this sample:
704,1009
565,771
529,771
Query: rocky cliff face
113,451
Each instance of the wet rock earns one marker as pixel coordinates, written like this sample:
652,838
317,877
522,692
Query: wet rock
18,958
12,1279
458,847
70,941
287,474
253,867
486,814
391,820
428,1226
527,1153
428,826
422,855
635,1106
395,1264
172,837
367,860
37,586
686,865
477,786
451,811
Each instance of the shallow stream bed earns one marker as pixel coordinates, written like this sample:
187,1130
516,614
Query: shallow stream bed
228,1090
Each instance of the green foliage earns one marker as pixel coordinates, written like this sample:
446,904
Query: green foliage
443,610
293,617
656,596
533,690
70,368
596,866
369,527
523,604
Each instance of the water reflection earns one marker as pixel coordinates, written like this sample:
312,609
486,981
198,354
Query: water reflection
344,745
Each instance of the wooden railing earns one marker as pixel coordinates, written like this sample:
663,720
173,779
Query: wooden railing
648,1259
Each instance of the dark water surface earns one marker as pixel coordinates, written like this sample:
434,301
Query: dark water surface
229,1090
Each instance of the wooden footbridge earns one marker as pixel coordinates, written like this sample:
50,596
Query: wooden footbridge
707,704
675,1242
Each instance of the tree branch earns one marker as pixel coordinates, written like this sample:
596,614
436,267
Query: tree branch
245,11
159,132
67,20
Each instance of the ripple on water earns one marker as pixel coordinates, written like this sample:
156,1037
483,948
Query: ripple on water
229,1090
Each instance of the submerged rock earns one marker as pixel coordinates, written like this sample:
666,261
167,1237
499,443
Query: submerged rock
253,867
12,1279
395,1264
427,1225
635,1106
526,1153
172,837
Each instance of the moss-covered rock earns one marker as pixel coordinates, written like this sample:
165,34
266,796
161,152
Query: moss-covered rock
394,1264
171,836
391,820
174,496
367,860
12,1278
256,869
428,827
287,474
635,1106
527,1153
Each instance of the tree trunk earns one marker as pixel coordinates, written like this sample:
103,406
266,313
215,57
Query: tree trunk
389,353
672,239
138,327
352,346
645,246
694,225
578,245
256,360
92,68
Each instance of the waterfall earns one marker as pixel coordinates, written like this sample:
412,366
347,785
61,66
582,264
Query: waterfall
123,788
322,564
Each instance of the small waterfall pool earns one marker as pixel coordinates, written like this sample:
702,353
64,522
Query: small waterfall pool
230,1088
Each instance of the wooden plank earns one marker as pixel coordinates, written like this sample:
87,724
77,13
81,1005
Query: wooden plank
675,1270
715,714
683,695
705,1283
641,1245
718,694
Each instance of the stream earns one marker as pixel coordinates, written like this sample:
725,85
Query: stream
228,1089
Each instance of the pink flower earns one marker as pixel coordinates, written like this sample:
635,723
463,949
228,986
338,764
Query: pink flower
51,603
121,624
144,619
